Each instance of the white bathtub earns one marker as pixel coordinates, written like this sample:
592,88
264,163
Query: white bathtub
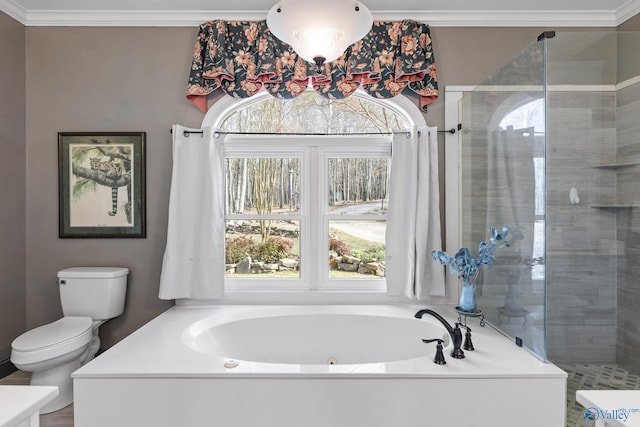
312,366
320,336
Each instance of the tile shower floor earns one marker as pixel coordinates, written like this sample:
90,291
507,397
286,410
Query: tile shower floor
597,377
580,377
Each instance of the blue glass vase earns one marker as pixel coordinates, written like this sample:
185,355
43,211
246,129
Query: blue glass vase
468,298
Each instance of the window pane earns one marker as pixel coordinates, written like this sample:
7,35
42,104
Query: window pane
312,113
262,186
358,186
356,249
262,249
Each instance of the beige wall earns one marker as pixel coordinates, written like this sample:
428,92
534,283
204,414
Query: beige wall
632,24
12,177
133,79
628,64
467,56
101,79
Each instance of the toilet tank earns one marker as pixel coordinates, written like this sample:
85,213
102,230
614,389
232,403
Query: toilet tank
96,292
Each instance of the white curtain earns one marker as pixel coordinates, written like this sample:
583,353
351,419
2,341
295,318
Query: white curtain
413,217
194,259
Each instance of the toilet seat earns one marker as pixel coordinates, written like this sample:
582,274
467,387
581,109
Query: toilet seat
52,340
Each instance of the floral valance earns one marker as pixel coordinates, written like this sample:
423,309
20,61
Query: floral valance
241,58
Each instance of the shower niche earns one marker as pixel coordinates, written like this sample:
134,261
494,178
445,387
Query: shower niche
550,146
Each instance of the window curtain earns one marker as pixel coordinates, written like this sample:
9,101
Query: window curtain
242,58
413,217
194,258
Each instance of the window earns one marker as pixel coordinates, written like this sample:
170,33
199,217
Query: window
527,116
307,212
263,216
356,213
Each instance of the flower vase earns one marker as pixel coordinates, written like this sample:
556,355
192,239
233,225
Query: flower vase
468,298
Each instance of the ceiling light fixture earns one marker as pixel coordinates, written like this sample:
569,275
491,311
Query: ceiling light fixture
319,31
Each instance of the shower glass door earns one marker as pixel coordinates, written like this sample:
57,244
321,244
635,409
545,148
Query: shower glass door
503,184
550,149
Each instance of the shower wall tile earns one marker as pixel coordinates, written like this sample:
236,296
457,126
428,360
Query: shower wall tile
628,182
574,273
627,361
604,111
628,337
593,100
574,147
581,241
628,228
586,344
627,124
569,118
590,189
628,95
629,271
627,119
477,111
603,178
628,147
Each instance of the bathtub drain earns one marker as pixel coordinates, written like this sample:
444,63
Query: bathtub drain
230,364
332,361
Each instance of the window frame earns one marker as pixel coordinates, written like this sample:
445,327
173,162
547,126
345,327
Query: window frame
227,105
314,216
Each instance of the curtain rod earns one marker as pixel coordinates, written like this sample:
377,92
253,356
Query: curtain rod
186,133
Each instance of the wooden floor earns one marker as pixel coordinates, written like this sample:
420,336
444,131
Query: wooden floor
61,418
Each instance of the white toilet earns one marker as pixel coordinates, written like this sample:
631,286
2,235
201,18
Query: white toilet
89,296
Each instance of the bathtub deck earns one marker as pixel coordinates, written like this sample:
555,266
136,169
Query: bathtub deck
152,378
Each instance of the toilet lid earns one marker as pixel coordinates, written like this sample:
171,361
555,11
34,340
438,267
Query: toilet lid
61,330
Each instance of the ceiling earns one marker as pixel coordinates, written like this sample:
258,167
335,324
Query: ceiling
483,13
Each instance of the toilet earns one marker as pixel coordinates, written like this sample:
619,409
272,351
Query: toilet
89,297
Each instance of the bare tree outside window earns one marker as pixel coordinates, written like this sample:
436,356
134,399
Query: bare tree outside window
270,187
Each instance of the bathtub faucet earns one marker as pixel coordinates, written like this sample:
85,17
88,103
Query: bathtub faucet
454,333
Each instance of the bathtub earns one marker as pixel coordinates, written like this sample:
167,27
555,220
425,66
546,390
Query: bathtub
313,366
324,335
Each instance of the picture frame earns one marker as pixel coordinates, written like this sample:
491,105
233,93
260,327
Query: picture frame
102,184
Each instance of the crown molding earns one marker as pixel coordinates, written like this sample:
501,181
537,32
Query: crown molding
628,11
190,18
507,18
131,18
14,10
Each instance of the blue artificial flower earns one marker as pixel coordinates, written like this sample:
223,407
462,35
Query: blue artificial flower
497,236
464,265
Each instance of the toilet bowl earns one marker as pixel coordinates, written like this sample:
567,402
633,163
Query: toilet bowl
52,352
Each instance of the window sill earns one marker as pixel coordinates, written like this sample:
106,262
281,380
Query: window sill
300,297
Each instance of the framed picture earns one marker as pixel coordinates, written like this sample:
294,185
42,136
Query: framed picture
101,184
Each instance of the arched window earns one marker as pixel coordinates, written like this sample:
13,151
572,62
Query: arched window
306,191
527,115
406,112
311,113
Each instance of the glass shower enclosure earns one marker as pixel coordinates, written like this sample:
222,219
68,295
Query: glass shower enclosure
550,147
